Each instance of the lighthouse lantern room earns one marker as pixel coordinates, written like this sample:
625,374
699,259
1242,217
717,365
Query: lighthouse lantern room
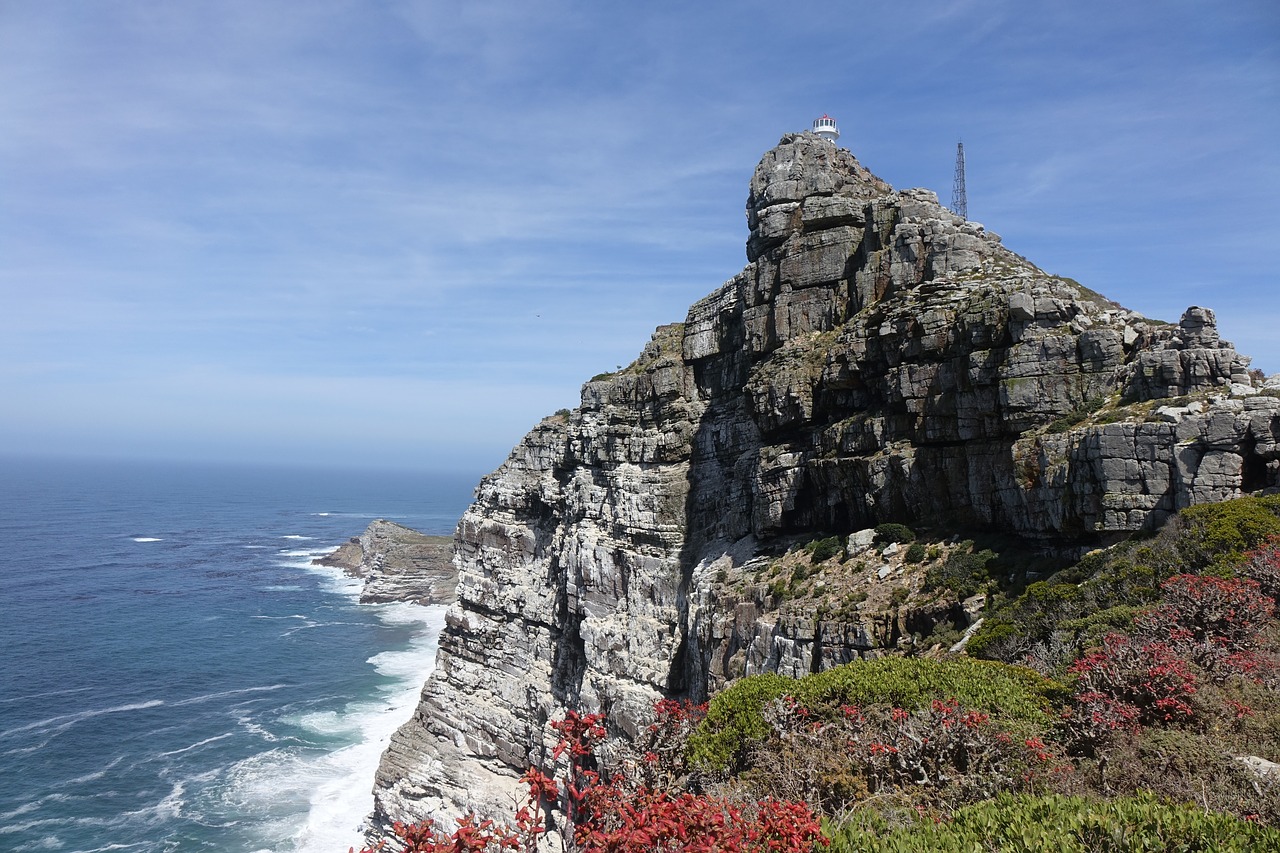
826,128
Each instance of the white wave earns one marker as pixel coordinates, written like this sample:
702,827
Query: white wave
64,822
408,613
10,828
328,723
146,539
314,802
195,745
27,750
22,809
88,777
335,580
246,722
343,801
171,806
321,513
195,700
66,721
296,536
309,553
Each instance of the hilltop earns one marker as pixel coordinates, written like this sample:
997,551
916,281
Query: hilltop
879,361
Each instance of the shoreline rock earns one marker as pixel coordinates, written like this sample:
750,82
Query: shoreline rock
398,563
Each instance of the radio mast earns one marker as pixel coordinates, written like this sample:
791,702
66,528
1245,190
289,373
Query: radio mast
959,204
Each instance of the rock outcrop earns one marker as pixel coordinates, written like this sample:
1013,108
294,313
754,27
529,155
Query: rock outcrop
878,359
398,563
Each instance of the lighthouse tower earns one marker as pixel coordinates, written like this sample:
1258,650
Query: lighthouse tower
826,128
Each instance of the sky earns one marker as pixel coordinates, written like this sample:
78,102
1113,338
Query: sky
398,233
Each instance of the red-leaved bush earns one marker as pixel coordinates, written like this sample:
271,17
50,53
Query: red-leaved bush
1215,622
957,754
623,812
1263,565
1125,684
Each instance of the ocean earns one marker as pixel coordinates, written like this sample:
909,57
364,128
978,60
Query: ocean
174,673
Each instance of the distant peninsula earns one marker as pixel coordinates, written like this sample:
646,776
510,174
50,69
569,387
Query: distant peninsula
398,563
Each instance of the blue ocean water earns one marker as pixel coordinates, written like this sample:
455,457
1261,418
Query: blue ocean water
176,676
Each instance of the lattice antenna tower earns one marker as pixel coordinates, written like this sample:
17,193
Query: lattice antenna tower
959,203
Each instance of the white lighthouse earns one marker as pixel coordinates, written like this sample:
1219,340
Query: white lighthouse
826,128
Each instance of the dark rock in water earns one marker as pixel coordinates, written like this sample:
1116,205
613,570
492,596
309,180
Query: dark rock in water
398,564
879,359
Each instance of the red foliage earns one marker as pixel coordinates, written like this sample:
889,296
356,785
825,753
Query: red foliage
471,836
1124,685
623,813
662,745
1148,677
1263,565
1215,622
944,747
1227,612
649,820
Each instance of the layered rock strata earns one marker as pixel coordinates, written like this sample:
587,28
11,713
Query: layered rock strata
398,563
878,359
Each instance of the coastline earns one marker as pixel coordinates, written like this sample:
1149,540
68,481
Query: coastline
180,676
342,804
408,576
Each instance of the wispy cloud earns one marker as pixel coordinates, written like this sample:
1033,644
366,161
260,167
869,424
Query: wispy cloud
509,194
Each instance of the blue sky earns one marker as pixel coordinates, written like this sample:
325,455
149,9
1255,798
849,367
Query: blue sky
398,233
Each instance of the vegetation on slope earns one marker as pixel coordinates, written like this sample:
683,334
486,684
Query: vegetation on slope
1018,823
1129,702
734,733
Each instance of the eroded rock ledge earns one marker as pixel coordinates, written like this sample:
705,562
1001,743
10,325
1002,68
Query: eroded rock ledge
878,359
398,563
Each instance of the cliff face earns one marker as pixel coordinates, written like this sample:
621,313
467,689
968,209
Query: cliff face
878,359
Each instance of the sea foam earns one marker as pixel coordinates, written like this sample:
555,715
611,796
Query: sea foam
341,803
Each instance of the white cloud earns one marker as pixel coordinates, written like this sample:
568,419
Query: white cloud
358,190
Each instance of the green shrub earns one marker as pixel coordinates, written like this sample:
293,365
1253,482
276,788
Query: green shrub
735,717
1044,604
991,640
779,588
1091,628
1020,822
1102,591
963,573
821,550
893,532
1219,534
916,553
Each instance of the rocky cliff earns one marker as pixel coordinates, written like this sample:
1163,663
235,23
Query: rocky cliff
878,359
398,563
